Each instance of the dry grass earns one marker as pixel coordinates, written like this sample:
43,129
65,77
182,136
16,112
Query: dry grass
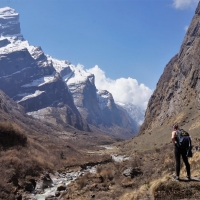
42,152
177,190
155,181
195,163
24,155
164,187
82,182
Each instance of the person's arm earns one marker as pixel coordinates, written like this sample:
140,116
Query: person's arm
173,137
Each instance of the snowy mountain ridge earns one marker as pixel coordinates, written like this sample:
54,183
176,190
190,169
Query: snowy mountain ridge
43,81
134,112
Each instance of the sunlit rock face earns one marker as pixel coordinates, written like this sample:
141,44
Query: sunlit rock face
29,78
97,107
135,112
178,88
55,90
9,21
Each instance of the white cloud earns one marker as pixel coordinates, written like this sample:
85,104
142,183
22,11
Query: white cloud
122,89
182,4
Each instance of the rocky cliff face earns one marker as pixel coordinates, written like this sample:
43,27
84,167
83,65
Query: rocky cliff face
55,90
115,118
97,107
178,89
134,112
9,20
13,113
30,79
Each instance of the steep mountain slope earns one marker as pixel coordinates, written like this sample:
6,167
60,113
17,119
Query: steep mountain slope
177,95
135,112
55,90
29,147
13,113
97,107
30,79
10,111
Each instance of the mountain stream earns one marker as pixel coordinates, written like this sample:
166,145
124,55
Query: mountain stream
67,178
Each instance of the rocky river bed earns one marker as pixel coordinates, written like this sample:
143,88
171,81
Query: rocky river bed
55,184
52,185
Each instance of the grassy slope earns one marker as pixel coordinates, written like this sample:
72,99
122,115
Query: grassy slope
30,147
188,119
152,154
153,178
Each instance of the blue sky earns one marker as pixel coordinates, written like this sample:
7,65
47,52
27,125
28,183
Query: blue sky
125,38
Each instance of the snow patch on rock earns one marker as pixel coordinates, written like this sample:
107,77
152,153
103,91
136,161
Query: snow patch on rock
41,81
37,93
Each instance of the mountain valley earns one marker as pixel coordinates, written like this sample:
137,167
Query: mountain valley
62,138
55,90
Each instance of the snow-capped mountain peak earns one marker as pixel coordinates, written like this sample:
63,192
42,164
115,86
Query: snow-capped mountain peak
103,97
70,73
11,39
133,111
7,12
9,21
52,89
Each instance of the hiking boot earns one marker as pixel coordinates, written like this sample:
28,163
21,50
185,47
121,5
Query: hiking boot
188,178
176,178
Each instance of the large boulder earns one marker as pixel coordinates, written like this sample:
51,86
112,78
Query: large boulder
46,181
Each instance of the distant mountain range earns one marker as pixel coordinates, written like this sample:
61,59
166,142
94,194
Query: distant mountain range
56,91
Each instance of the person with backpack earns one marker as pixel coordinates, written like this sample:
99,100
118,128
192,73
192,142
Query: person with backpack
182,143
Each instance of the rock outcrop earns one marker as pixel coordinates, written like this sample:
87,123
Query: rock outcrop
9,20
97,107
135,112
55,90
178,89
30,79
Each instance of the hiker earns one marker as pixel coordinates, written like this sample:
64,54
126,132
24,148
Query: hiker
179,151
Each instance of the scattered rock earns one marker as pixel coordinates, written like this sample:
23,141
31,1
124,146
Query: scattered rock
57,193
127,172
14,180
132,172
92,195
61,187
47,181
18,197
30,185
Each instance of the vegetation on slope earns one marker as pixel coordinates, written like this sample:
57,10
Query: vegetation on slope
24,157
151,177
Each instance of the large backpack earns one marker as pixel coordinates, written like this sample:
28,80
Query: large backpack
184,140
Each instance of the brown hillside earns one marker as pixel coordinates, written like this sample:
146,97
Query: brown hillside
29,148
177,95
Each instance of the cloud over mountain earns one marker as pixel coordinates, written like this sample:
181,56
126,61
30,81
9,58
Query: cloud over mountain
122,89
182,4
